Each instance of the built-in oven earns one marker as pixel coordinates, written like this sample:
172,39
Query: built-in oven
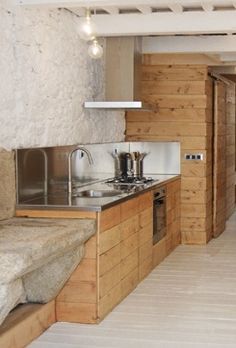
159,214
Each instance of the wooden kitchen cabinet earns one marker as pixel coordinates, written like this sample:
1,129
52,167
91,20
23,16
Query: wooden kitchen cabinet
123,249
118,257
116,260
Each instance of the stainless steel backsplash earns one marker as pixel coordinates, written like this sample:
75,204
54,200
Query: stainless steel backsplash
43,171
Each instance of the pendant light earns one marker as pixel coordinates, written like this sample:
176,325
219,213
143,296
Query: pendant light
87,32
95,50
87,28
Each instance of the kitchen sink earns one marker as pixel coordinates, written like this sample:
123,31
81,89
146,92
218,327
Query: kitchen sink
97,193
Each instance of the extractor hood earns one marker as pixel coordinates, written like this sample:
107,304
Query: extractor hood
122,75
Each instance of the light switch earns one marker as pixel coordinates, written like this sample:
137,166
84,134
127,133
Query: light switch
194,157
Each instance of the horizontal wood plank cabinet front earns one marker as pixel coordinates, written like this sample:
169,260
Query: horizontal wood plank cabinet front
118,257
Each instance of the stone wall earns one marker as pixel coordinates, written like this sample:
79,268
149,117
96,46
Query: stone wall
46,75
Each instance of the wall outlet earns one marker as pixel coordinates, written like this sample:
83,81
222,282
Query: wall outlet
194,157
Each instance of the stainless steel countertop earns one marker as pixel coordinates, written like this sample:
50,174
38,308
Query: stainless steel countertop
63,201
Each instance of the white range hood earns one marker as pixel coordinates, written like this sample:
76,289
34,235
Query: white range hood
113,105
122,75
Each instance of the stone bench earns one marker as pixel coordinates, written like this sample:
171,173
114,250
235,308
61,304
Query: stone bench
37,256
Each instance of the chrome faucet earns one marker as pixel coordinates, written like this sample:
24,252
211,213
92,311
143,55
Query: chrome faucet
90,159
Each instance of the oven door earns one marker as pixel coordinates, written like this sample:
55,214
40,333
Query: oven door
159,219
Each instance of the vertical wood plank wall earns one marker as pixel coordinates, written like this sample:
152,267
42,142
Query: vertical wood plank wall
182,98
219,158
230,149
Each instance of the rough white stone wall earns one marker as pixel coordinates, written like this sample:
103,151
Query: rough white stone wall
46,75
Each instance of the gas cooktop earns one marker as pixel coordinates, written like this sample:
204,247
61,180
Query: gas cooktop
129,180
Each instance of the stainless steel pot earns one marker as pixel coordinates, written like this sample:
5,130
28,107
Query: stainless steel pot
129,164
137,163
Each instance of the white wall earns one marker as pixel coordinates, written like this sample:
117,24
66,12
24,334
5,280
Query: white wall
45,76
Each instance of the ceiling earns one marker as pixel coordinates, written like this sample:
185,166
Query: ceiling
168,26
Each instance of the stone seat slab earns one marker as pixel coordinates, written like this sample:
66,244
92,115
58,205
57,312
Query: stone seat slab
26,244
37,256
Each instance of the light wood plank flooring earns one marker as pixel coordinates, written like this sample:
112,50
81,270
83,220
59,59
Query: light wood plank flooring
188,301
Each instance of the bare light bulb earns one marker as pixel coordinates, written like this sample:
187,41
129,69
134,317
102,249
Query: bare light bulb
95,50
87,28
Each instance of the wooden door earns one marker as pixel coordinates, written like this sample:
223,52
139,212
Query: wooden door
219,159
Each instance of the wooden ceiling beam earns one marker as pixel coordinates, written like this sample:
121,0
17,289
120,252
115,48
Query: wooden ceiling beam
168,23
122,3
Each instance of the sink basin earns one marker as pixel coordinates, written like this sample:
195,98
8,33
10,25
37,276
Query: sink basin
97,193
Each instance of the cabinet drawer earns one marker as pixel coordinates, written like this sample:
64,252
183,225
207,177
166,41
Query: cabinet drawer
129,245
129,227
145,234
109,259
145,268
145,251
108,280
129,263
146,217
110,218
109,301
129,209
145,201
129,282
108,239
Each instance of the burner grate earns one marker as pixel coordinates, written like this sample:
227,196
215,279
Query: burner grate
129,180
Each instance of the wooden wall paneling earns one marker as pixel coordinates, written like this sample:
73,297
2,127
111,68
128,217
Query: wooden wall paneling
182,99
155,72
182,59
168,115
219,165
230,149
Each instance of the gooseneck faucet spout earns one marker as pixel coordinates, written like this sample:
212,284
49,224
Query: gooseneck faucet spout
90,160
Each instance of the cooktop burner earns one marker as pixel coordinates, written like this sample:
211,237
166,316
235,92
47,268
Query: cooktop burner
129,180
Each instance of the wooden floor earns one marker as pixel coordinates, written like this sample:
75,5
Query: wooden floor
187,301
